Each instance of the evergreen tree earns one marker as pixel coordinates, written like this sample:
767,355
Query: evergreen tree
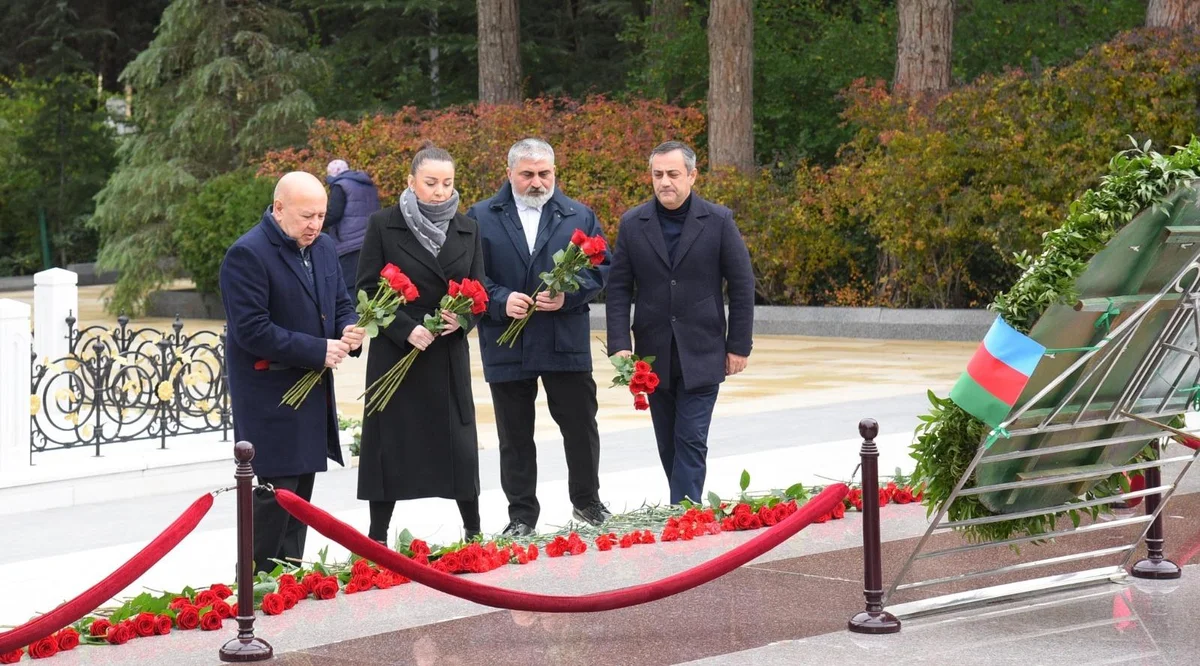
223,81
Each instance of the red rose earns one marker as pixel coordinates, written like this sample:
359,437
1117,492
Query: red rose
233,608
67,639
145,624
99,628
410,292
579,238
222,608
210,621
475,290
293,594
361,568
596,259
224,591
903,495
1137,483
262,364
418,547
272,604
12,657
205,599
767,516
594,246
641,367
310,581
651,382
327,589
455,288
118,635
839,511
822,519
188,617
640,403
164,625
286,580
389,272
743,520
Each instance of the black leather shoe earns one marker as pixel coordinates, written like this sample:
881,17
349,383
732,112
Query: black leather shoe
593,514
517,529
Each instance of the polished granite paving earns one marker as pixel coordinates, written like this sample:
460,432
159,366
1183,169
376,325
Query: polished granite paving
793,611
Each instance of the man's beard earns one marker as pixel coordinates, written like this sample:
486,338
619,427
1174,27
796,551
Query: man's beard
534,201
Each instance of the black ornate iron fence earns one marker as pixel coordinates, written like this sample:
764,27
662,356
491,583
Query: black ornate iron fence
123,384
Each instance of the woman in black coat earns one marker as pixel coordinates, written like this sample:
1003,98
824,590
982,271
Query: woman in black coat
424,443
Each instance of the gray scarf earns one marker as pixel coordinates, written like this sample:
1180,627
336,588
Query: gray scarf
428,221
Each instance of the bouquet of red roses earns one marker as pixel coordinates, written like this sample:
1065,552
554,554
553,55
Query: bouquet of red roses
638,375
582,252
469,297
395,289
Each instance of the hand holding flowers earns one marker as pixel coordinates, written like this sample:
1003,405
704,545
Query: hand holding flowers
394,290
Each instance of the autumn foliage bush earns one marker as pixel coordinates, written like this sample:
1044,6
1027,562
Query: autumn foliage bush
927,206
601,147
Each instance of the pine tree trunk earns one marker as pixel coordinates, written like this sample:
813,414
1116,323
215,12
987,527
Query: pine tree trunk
499,51
730,84
923,46
1173,14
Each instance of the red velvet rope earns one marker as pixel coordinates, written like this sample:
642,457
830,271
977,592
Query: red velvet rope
496,597
90,600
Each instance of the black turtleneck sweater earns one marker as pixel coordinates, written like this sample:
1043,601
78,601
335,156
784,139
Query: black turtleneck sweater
672,223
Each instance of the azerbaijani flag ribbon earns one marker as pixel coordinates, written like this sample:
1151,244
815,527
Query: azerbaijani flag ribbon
997,373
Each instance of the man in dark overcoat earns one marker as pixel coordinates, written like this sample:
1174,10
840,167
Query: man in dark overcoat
522,227
287,312
676,254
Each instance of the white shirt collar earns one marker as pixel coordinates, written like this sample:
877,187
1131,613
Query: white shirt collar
521,207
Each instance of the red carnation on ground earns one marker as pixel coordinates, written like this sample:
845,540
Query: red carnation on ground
99,628
210,621
273,603
67,639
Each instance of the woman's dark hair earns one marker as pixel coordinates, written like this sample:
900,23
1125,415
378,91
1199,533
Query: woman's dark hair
429,152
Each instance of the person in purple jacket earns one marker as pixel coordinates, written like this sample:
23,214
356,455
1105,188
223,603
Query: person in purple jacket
352,199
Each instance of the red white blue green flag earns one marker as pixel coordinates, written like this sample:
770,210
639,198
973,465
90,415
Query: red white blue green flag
997,374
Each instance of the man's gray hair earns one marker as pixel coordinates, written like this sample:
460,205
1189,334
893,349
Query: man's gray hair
689,155
529,149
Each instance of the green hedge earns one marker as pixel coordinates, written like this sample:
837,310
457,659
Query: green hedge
214,217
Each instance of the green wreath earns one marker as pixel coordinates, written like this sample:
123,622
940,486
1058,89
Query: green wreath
948,438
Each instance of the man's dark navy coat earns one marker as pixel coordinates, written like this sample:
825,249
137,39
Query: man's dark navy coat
556,341
275,315
682,297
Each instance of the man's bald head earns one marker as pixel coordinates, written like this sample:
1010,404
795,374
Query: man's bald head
299,208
